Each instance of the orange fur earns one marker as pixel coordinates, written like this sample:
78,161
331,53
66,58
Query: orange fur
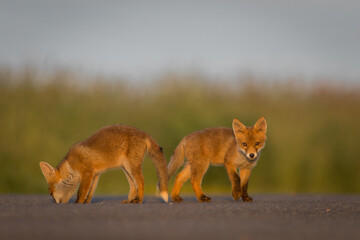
236,148
110,147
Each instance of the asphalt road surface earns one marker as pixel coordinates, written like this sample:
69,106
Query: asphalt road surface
268,217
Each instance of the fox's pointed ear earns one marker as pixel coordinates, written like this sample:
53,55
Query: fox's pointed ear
47,170
261,125
238,126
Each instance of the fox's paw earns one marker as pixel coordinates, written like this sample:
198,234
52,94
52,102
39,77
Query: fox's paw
135,200
177,199
236,195
247,199
204,198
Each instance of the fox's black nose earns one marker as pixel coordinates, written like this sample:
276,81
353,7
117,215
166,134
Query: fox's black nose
252,155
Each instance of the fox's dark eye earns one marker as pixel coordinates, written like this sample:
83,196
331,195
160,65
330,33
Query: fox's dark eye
244,144
257,144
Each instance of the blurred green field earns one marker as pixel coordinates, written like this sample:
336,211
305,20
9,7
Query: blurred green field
313,132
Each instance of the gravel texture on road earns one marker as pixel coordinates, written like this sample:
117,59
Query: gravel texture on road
268,217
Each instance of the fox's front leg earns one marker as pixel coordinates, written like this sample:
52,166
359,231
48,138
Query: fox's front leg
235,181
245,196
84,188
92,188
244,176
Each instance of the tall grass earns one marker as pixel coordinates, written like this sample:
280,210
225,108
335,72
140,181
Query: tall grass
313,132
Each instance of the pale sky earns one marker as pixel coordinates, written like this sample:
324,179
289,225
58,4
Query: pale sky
308,38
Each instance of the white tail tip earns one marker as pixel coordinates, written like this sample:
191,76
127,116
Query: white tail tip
165,196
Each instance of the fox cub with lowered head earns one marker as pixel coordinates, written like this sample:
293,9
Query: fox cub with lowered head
236,148
110,147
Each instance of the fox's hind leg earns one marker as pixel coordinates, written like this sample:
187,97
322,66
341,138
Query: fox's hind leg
181,178
135,174
133,167
132,191
197,173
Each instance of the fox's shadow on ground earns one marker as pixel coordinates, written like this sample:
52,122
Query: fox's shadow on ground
148,199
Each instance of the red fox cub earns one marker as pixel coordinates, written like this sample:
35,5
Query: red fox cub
110,147
236,148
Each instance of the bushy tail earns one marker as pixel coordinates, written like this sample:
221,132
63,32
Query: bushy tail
177,160
157,156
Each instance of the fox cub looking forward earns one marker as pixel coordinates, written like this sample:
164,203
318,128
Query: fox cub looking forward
236,148
110,147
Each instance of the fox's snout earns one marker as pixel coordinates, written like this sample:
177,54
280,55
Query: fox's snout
251,156
58,201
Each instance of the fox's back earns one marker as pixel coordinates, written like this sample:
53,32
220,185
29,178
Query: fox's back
115,138
108,147
210,143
